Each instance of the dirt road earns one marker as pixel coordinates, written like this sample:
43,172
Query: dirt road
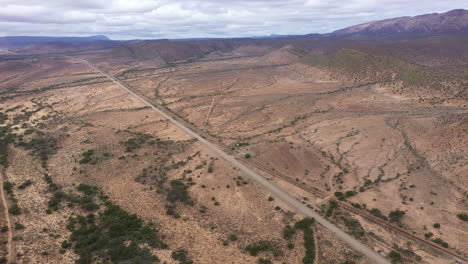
264,183
11,247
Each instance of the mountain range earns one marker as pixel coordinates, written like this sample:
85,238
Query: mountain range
454,22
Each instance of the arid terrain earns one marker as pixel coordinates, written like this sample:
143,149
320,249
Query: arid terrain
372,136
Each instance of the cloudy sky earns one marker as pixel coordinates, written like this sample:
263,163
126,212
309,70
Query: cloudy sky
129,19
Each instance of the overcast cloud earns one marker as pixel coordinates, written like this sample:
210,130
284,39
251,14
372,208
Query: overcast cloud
130,19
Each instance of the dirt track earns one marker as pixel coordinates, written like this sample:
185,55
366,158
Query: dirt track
11,247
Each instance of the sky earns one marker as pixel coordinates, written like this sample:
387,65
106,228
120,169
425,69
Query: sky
154,19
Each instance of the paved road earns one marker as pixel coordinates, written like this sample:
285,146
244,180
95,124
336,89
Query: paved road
267,185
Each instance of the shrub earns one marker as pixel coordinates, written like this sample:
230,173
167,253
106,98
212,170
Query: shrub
14,210
181,255
394,256
428,235
309,242
262,245
87,189
304,223
436,225
288,232
332,204
114,235
441,242
264,261
232,237
247,156
25,184
376,212
19,226
8,187
396,216
42,146
87,156
178,192
463,217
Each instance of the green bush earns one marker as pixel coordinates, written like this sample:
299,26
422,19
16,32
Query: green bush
42,146
6,138
8,187
441,242
376,212
19,226
178,192
247,156
304,223
87,156
332,204
136,141
25,184
436,225
263,245
463,217
14,210
396,216
394,256
114,235
181,255
264,261
288,232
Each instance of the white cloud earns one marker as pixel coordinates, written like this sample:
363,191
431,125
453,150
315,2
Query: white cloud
125,19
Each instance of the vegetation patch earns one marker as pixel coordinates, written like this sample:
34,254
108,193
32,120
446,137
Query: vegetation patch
6,138
92,157
463,217
309,244
136,141
43,146
181,255
263,245
111,235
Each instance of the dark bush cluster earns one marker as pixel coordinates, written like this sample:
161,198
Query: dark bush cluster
394,256
263,245
463,217
342,196
6,138
136,141
42,146
179,192
332,205
396,216
181,255
309,244
112,236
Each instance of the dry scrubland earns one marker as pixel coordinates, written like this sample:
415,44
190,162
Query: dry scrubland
75,130
377,144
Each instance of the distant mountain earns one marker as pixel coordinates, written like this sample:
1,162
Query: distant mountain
454,22
9,42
